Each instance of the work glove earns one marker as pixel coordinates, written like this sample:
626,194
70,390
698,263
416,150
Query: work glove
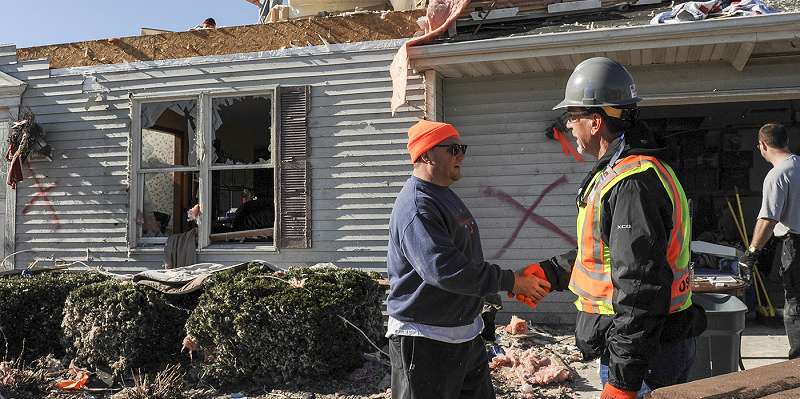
611,392
747,262
537,271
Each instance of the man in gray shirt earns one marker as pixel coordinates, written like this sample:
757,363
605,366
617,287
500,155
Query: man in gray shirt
780,215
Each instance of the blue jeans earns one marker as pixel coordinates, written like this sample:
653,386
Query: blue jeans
670,367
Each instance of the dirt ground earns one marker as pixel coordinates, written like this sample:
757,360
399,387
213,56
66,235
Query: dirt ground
354,27
372,381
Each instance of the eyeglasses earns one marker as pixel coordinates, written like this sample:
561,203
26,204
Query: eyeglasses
574,116
454,148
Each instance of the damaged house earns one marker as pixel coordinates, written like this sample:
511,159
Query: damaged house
216,146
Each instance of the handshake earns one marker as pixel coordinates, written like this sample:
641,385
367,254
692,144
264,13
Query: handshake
534,282
537,287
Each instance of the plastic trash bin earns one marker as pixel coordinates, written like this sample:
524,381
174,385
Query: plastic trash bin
718,347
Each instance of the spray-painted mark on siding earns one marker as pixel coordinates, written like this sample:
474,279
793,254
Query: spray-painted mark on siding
529,214
42,195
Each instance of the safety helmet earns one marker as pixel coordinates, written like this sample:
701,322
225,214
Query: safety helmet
599,82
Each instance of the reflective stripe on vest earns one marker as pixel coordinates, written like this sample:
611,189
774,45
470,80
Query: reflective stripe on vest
591,275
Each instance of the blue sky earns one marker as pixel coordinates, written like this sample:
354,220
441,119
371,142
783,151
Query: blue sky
30,23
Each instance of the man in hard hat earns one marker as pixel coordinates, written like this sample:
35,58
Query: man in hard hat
631,270
438,278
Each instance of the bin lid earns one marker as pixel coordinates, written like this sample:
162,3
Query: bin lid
714,302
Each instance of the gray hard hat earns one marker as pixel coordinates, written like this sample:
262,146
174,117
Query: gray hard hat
599,82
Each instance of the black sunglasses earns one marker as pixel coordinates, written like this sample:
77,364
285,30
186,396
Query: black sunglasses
454,148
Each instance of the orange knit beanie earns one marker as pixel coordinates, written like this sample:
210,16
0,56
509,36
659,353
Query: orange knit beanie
426,134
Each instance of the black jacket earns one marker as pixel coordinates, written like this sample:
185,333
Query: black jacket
640,273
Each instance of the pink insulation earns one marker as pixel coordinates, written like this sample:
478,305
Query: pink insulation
517,326
529,367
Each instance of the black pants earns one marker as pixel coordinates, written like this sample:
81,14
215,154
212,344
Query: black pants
427,369
790,277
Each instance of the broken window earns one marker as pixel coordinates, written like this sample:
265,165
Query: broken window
242,169
219,154
168,169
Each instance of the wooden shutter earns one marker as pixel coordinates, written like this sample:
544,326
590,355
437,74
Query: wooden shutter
294,173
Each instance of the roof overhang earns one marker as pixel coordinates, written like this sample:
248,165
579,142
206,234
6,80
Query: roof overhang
11,90
734,40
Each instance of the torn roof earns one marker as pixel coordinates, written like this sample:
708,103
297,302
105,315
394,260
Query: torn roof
613,14
316,31
560,42
353,27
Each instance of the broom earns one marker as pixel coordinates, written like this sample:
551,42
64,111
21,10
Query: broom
756,275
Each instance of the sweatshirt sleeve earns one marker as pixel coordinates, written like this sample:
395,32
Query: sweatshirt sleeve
428,244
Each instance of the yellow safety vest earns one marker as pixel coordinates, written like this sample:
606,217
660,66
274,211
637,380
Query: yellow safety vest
591,275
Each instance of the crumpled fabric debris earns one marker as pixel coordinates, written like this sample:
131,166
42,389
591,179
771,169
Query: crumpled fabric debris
440,14
699,10
78,383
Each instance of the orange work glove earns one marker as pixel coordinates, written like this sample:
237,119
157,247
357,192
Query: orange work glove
537,271
611,392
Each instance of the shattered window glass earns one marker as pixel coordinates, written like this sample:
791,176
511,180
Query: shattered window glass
242,171
168,177
217,176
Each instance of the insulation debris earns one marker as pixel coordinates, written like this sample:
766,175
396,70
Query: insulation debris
533,364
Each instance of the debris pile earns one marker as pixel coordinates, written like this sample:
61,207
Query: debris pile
26,137
23,382
532,363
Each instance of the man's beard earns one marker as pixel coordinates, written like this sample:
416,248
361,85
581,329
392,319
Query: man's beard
581,149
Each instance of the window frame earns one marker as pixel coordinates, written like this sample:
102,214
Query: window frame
204,167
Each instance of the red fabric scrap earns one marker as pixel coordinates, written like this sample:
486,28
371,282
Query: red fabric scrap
14,171
74,384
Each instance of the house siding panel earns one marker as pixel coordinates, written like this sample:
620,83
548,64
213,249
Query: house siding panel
76,210
510,167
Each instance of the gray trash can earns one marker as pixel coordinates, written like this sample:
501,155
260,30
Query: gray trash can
718,347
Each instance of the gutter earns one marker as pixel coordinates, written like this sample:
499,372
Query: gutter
749,30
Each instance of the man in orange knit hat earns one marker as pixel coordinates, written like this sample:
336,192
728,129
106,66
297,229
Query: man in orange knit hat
439,279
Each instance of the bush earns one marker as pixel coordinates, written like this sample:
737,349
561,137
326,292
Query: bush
125,326
284,326
31,312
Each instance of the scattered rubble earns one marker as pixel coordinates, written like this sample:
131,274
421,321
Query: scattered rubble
554,350
534,364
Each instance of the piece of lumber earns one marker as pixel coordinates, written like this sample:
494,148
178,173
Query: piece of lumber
772,381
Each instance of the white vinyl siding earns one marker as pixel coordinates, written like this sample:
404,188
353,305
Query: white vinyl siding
357,161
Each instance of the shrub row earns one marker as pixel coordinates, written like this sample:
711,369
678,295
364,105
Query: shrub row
31,312
274,327
253,325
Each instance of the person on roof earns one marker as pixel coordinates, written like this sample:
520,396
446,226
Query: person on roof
631,269
209,23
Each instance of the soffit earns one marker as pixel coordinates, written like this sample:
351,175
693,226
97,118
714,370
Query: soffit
11,85
734,40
